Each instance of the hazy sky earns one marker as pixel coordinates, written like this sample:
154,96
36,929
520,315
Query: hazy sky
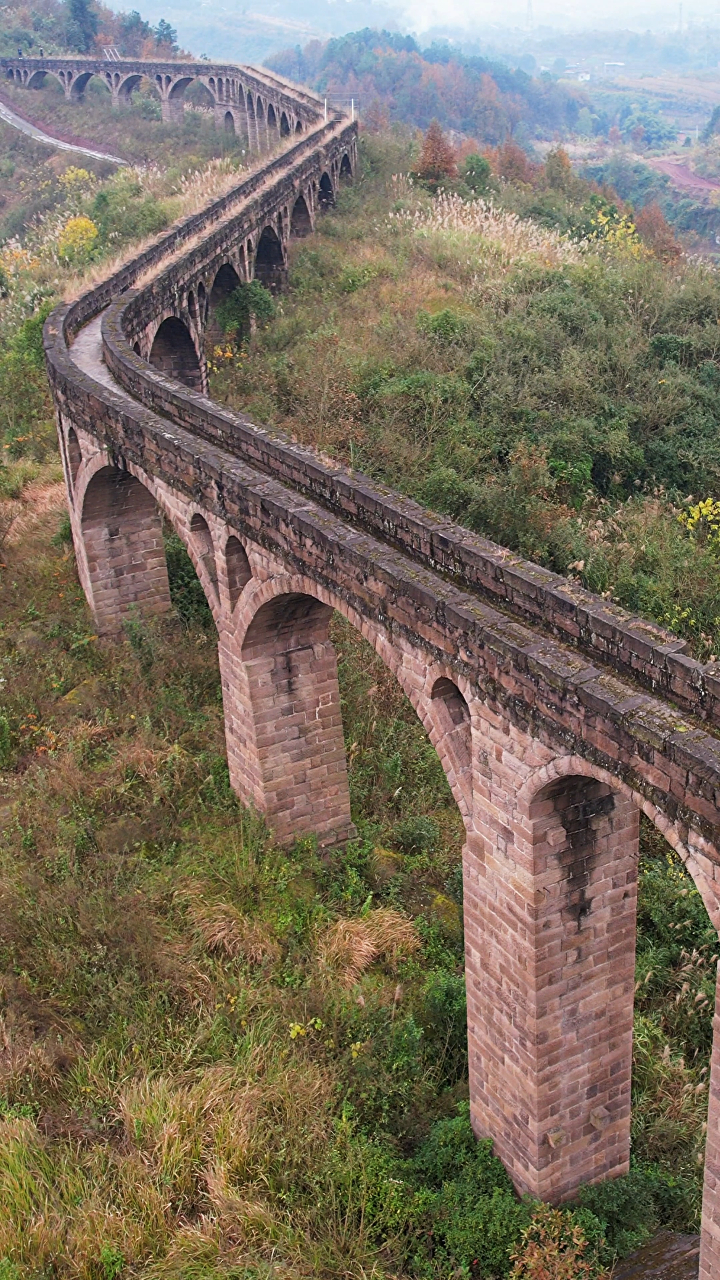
661,15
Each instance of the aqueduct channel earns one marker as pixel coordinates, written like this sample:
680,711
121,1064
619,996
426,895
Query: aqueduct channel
558,718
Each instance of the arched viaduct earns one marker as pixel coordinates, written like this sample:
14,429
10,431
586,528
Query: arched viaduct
256,104
557,717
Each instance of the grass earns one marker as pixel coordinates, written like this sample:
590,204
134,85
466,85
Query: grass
220,1058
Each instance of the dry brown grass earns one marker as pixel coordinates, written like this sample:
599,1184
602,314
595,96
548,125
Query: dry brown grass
350,946
225,930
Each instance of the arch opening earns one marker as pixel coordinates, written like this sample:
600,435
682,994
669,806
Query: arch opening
284,126
192,307
87,80
300,776
326,195
199,96
454,716
122,537
74,454
299,127
237,567
202,301
271,117
229,122
202,539
173,353
177,92
270,261
37,80
127,88
300,222
346,172
225,283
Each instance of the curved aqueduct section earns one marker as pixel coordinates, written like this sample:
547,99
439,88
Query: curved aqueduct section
558,718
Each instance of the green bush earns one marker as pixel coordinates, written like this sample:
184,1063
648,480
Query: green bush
186,592
248,300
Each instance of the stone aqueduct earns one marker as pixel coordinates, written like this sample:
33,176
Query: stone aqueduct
557,717
259,105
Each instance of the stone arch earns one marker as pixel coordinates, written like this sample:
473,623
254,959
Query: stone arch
225,282
137,349
229,122
270,261
284,125
202,541
74,454
36,80
237,568
692,849
326,194
293,613
177,92
173,353
124,556
192,307
271,118
300,221
202,301
298,126
453,714
346,172
127,87
80,84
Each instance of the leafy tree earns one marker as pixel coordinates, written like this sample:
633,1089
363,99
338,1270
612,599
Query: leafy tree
166,35
437,158
712,127
133,32
653,228
81,25
476,173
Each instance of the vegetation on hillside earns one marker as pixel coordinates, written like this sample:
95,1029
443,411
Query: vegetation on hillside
530,367
223,1059
81,26
394,80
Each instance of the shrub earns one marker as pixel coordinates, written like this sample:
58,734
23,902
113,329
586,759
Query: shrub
417,835
554,1247
476,173
248,300
77,240
627,1209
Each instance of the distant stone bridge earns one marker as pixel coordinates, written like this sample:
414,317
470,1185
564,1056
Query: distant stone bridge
557,717
258,105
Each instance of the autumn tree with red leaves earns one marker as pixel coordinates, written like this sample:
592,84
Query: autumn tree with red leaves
655,231
437,158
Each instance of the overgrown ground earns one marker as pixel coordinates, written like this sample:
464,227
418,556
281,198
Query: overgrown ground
29,170
551,384
222,1059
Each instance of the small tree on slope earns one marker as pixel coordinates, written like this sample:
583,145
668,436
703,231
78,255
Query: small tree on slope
437,158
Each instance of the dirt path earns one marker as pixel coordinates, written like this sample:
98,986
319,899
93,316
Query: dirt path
11,117
683,177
